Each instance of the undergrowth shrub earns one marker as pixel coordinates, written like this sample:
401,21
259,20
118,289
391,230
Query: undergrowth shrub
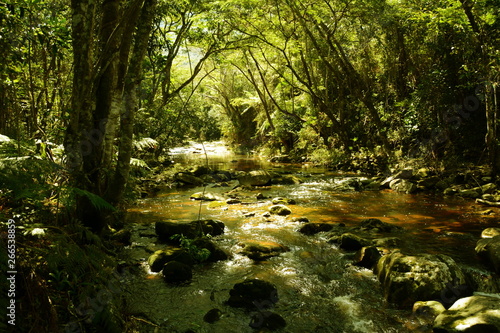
63,268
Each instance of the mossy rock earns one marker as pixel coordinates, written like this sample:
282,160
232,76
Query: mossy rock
176,272
253,294
281,210
158,259
407,279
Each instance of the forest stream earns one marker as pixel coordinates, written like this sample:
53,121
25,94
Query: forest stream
318,288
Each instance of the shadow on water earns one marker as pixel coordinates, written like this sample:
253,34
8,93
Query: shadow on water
319,290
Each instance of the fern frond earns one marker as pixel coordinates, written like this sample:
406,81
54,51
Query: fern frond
139,163
98,202
27,177
145,143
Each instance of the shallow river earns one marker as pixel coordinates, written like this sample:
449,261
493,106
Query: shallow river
318,289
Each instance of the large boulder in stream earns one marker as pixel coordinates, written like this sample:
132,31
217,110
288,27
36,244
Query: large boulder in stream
366,257
474,314
407,279
314,228
188,179
352,242
286,180
158,259
176,272
253,294
281,210
490,232
216,253
403,186
489,249
166,229
262,250
267,320
255,178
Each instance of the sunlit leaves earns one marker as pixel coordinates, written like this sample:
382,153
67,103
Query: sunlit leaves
34,48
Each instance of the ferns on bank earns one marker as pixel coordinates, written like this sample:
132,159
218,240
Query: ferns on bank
98,202
139,163
145,144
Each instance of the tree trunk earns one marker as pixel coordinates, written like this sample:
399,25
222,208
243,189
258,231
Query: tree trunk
130,102
99,101
487,66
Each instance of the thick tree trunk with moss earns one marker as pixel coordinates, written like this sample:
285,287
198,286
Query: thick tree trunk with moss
81,138
130,102
102,64
486,48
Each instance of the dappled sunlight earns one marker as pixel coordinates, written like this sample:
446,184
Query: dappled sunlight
317,285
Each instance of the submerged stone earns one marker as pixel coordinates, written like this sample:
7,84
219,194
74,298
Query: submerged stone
174,272
352,242
253,294
188,179
123,236
375,225
205,196
267,320
280,159
233,201
388,242
166,229
158,259
216,204
255,178
300,219
216,253
283,201
428,309
404,174
262,250
212,316
260,196
403,186
286,180
313,228
366,257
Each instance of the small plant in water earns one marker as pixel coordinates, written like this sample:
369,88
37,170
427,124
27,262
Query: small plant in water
199,254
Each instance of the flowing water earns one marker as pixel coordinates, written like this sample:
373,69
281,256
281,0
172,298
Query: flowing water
318,289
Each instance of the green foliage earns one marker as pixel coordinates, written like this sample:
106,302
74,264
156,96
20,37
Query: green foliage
69,267
34,70
329,157
35,181
78,259
28,178
145,144
197,253
139,163
98,202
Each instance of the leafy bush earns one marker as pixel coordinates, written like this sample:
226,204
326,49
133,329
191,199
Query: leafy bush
197,253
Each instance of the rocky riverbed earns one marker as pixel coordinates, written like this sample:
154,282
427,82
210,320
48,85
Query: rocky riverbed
280,247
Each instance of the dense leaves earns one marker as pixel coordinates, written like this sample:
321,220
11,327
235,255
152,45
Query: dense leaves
417,78
93,93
